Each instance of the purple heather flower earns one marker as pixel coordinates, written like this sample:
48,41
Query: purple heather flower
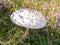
57,15
0,6
59,24
48,18
54,26
5,23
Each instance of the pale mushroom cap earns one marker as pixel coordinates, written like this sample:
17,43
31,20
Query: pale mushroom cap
28,18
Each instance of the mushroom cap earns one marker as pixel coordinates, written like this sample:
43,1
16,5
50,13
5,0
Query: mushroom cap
28,18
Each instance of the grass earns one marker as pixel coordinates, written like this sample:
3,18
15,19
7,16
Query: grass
11,34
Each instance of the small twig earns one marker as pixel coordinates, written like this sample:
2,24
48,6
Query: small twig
3,43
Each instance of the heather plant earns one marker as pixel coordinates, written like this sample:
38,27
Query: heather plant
11,34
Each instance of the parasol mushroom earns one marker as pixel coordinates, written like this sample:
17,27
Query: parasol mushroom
28,18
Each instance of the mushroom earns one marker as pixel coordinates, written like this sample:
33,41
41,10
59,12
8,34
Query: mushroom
28,18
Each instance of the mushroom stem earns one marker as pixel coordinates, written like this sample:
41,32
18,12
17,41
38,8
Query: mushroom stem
26,32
